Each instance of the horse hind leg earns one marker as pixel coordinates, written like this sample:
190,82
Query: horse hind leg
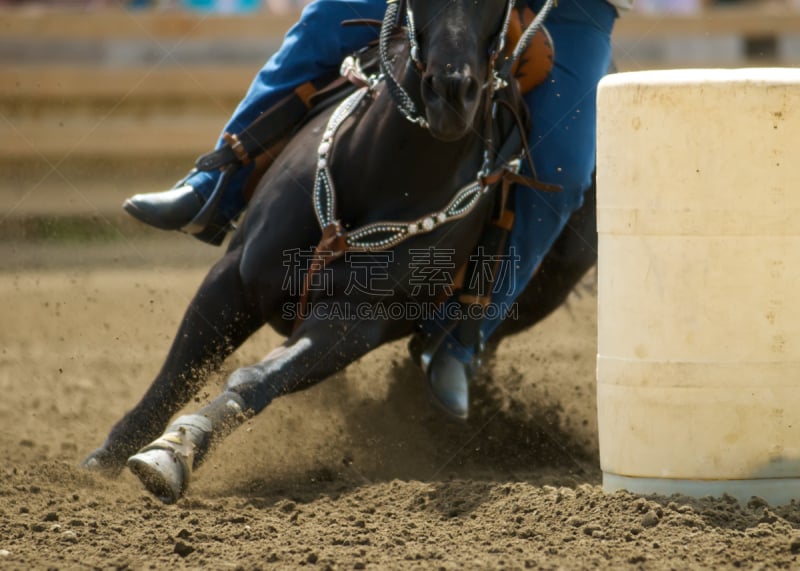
312,354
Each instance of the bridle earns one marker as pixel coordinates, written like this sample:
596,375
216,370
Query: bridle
498,166
499,42
496,78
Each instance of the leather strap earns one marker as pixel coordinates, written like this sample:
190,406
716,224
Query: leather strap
236,146
280,121
274,124
536,63
332,246
475,290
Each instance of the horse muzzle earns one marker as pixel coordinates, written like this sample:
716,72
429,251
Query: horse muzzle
451,100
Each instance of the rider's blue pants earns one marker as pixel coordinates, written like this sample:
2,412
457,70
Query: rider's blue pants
563,114
313,47
562,139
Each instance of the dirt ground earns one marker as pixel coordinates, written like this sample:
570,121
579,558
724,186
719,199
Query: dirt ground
358,472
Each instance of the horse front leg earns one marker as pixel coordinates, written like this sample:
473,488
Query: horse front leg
217,321
314,352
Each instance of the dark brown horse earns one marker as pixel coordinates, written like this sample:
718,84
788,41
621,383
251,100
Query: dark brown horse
369,182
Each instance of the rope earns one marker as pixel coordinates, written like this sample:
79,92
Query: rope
401,98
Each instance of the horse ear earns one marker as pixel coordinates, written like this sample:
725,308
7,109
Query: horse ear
535,64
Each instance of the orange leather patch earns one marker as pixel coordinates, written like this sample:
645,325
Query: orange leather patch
533,66
305,92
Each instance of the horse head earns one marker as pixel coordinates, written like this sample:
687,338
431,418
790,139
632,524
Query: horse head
454,45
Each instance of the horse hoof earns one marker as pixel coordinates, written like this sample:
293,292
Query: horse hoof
102,462
163,473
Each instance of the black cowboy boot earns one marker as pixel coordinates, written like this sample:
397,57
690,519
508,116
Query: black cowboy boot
175,209
448,383
168,210
447,378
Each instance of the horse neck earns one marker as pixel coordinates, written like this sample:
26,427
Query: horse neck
423,148
398,160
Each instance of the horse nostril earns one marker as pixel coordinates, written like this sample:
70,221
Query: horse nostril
450,87
469,88
428,90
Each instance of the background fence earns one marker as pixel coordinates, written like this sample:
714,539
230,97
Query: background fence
96,105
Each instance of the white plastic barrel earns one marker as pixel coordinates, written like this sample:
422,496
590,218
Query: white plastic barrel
698,367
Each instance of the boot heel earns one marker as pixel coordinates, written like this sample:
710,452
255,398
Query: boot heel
213,234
